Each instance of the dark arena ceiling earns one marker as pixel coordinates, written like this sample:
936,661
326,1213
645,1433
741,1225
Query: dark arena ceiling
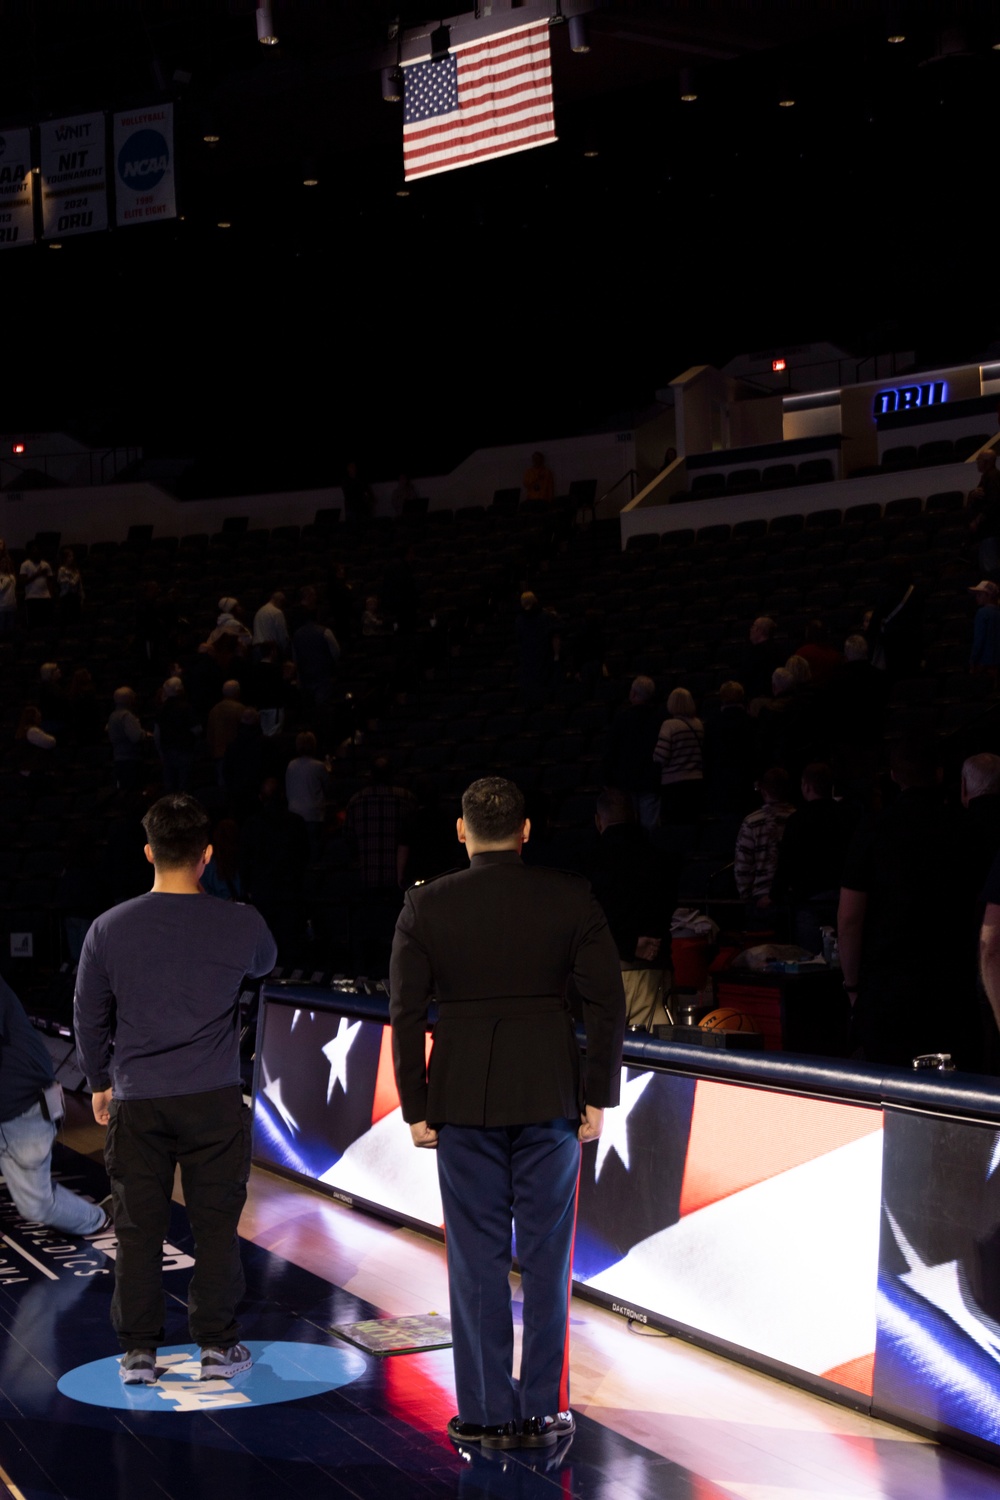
518,298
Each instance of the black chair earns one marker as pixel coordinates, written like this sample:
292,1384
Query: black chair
965,447
139,534
815,471
909,506
708,486
327,518
414,506
777,476
787,525
505,502
742,481
939,452
894,459
945,500
822,520
749,529
864,513
235,525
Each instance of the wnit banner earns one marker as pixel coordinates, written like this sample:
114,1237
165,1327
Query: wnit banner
74,176
144,165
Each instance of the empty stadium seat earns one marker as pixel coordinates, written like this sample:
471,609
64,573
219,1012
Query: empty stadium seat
903,457
704,486
742,481
776,476
910,506
942,451
965,447
945,500
815,471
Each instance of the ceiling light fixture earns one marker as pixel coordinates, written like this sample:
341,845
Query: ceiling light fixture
578,41
210,139
688,91
402,192
266,34
591,152
786,103
895,39
224,224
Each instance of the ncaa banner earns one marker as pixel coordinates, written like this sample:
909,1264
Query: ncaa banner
17,218
144,165
74,176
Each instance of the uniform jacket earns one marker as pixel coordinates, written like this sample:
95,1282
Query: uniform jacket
497,945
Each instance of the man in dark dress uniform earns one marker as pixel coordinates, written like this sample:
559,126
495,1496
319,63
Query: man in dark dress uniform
503,1100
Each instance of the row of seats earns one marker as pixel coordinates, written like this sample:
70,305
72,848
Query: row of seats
745,481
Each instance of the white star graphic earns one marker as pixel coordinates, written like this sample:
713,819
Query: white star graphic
336,1052
614,1136
272,1091
995,1158
945,1287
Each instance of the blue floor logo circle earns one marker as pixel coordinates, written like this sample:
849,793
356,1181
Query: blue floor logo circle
281,1372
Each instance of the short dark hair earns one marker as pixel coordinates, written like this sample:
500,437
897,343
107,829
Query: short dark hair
775,783
914,759
493,809
614,805
177,831
818,777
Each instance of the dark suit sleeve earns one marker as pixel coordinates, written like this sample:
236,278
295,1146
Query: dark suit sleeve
598,979
410,984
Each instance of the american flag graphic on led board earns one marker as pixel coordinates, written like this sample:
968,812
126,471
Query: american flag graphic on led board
485,99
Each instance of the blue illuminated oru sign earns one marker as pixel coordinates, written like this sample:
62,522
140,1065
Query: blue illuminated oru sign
909,397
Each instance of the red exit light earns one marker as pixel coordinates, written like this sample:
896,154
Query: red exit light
18,448
777,365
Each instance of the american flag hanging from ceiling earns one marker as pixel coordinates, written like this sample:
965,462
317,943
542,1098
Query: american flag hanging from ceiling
484,99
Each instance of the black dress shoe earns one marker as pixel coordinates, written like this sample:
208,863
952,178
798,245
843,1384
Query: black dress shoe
504,1435
543,1432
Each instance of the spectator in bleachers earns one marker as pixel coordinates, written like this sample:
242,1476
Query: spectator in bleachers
359,502
399,592
247,761
376,820
758,843
86,716
895,627
732,741
907,918
267,688
759,658
824,660
811,858
340,601
637,890
680,754
36,583
230,622
222,724
29,730
373,621
316,652
149,631
177,731
274,856
307,788
985,656
270,626
985,503
403,492
539,481
980,791
69,583
533,628
52,698
628,760
8,595
128,739
858,697
221,876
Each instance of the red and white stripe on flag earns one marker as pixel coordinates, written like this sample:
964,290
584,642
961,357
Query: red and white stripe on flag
501,103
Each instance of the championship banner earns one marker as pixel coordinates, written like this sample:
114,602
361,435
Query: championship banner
74,176
17,220
144,165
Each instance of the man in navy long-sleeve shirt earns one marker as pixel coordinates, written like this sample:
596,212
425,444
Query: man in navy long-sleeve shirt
160,977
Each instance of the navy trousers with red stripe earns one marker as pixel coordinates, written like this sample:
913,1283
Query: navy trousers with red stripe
528,1174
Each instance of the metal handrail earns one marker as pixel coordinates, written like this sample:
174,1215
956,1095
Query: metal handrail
631,475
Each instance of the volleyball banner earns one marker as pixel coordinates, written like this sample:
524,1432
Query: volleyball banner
145,188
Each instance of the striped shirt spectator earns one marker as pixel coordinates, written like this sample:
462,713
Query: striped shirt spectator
375,819
681,743
759,839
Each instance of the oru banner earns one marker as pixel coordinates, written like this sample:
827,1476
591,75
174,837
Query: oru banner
144,165
17,220
74,176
